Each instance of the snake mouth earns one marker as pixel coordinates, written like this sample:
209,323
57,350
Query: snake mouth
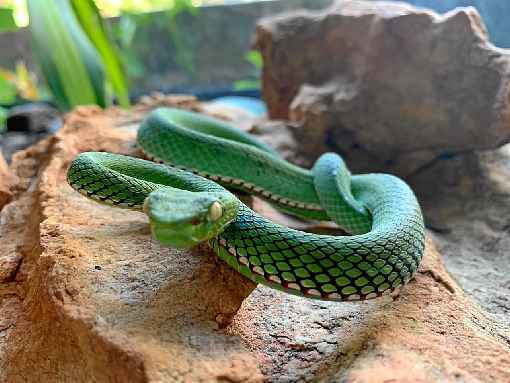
181,236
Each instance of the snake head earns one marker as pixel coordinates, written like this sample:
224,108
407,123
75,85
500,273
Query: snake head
183,219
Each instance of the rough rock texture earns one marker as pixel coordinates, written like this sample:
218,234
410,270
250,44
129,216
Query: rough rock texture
101,301
388,85
7,182
9,257
466,201
94,298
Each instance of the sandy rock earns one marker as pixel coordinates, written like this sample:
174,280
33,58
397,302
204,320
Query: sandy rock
388,85
96,299
104,302
466,201
8,183
414,338
10,257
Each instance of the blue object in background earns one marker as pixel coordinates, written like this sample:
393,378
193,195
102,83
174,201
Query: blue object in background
254,106
495,14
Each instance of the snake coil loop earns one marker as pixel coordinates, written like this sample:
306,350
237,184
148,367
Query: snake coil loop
193,205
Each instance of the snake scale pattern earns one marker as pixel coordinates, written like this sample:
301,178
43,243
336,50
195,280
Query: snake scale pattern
188,200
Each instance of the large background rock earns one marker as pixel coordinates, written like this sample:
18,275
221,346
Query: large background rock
94,298
494,13
387,85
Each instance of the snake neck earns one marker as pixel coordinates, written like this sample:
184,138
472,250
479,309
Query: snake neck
284,200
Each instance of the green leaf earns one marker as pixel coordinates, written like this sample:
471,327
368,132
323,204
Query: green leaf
255,58
184,54
8,91
3,119
71,65
125,30
247,84
124,33
7,23
92,23
181,6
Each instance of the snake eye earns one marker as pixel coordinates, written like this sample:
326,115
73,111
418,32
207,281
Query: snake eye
215,211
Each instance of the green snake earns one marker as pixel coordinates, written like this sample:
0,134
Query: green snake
187,200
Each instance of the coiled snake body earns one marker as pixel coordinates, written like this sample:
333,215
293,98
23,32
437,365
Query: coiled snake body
185,209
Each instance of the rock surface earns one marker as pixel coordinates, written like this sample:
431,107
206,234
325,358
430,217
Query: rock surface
94,298
7,182
466,201
389,86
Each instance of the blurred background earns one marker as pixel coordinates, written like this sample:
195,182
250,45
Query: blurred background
65,53
392,87
163,45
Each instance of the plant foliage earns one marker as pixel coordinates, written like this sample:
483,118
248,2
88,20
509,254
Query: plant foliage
70,63
3,119
18,84
255,59
7,22
75,54
93,25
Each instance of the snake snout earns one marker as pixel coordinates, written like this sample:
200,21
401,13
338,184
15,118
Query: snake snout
183,219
